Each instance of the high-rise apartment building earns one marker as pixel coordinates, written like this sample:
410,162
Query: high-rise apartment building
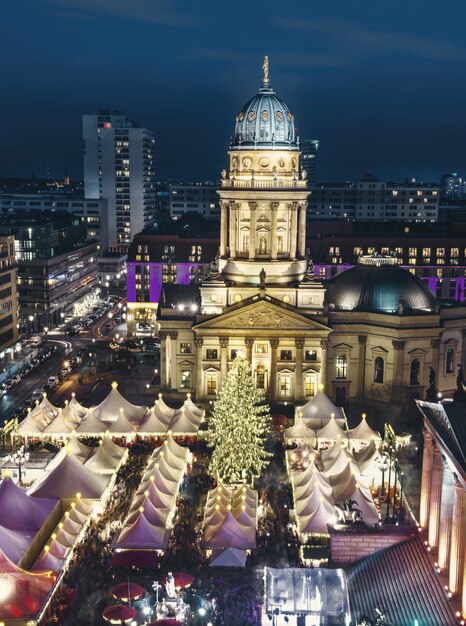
119,167
9,309
309,149
201,198
453,185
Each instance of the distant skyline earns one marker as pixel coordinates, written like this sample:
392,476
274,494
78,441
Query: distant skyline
380,85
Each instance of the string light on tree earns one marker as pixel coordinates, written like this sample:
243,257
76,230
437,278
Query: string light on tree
238,427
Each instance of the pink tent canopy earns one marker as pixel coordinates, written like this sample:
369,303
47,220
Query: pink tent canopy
20,511
142,534
67,479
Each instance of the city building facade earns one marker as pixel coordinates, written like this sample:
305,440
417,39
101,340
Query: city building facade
201,198
262,295
372,199
309,149
119,167
9,303
57,265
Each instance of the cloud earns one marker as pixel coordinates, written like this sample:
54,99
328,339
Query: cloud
363,40
150,11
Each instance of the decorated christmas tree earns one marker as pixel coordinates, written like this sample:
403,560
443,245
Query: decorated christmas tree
238,427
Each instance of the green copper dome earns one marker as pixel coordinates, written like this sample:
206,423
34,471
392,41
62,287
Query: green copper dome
379,285
265,121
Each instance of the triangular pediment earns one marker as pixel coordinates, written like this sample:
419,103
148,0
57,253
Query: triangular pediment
262,314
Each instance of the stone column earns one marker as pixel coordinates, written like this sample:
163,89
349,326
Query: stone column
435,495
299,343
249,343
273,369
446,516
164,367
199,382
398,347
252,230
223,359
273,234
223,228
362,339
458,539
173,337
463,602
435,344
323,363
302,231
293,229
427,461
232,230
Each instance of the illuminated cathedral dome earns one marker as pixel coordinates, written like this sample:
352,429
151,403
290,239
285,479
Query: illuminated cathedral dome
379,285
265,121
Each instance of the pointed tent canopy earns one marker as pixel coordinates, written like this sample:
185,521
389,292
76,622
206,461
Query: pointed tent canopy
122,424
189,404
142,534
332,430
91,425
318,520
60,424
157,497
48,408
14,543
78,448
23,592
302,477
362,498
108,410
67,479
48,561
153,424
230,534
102,462
345,483
299,430
20,511
35,422
231,557
112,448
364,431
320,409
163,411
185,423
77,407
156,516
310,503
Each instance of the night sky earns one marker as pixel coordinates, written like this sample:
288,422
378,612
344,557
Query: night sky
382,85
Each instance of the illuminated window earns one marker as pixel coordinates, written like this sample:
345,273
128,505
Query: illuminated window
415,372
425,252
279,244
439,273
455,252
440,252
426,260
185,379
341,366
211,384
185,348
449,360
384,250
412,261
334,250
261,348
310,355
286,355
378,370
399,251
245,243
211,354
285,386
310,386
357,251
440,261
412,251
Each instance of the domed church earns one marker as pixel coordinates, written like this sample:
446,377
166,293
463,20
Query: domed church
374,330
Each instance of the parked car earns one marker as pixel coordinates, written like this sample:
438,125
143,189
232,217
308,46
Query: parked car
37,394
53,380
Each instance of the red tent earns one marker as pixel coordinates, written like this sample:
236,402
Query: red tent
182,580
136,558
165,622
127,591
22,593
119,614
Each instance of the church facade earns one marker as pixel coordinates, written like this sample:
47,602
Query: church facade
376,331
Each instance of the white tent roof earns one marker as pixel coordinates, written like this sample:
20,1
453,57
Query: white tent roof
318,520
35,421
77,407
102,462
299,430
345,483
112,448
154,515
67,479
122,424
184,422
91,425
108,410
230,534
320,407
364,503
164,412
78,448
331,430
153,424
47,561
157,497
311,502
189,404
363,431
142,534
20,511
48,407
60,424
14,543
231,557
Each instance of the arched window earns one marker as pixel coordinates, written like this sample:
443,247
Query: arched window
449,360
341,366
415,378
378,370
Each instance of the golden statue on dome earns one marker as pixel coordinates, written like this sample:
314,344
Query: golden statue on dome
265,67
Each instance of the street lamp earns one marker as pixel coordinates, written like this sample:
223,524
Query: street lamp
19,458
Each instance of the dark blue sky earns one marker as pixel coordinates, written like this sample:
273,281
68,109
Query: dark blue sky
381,84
